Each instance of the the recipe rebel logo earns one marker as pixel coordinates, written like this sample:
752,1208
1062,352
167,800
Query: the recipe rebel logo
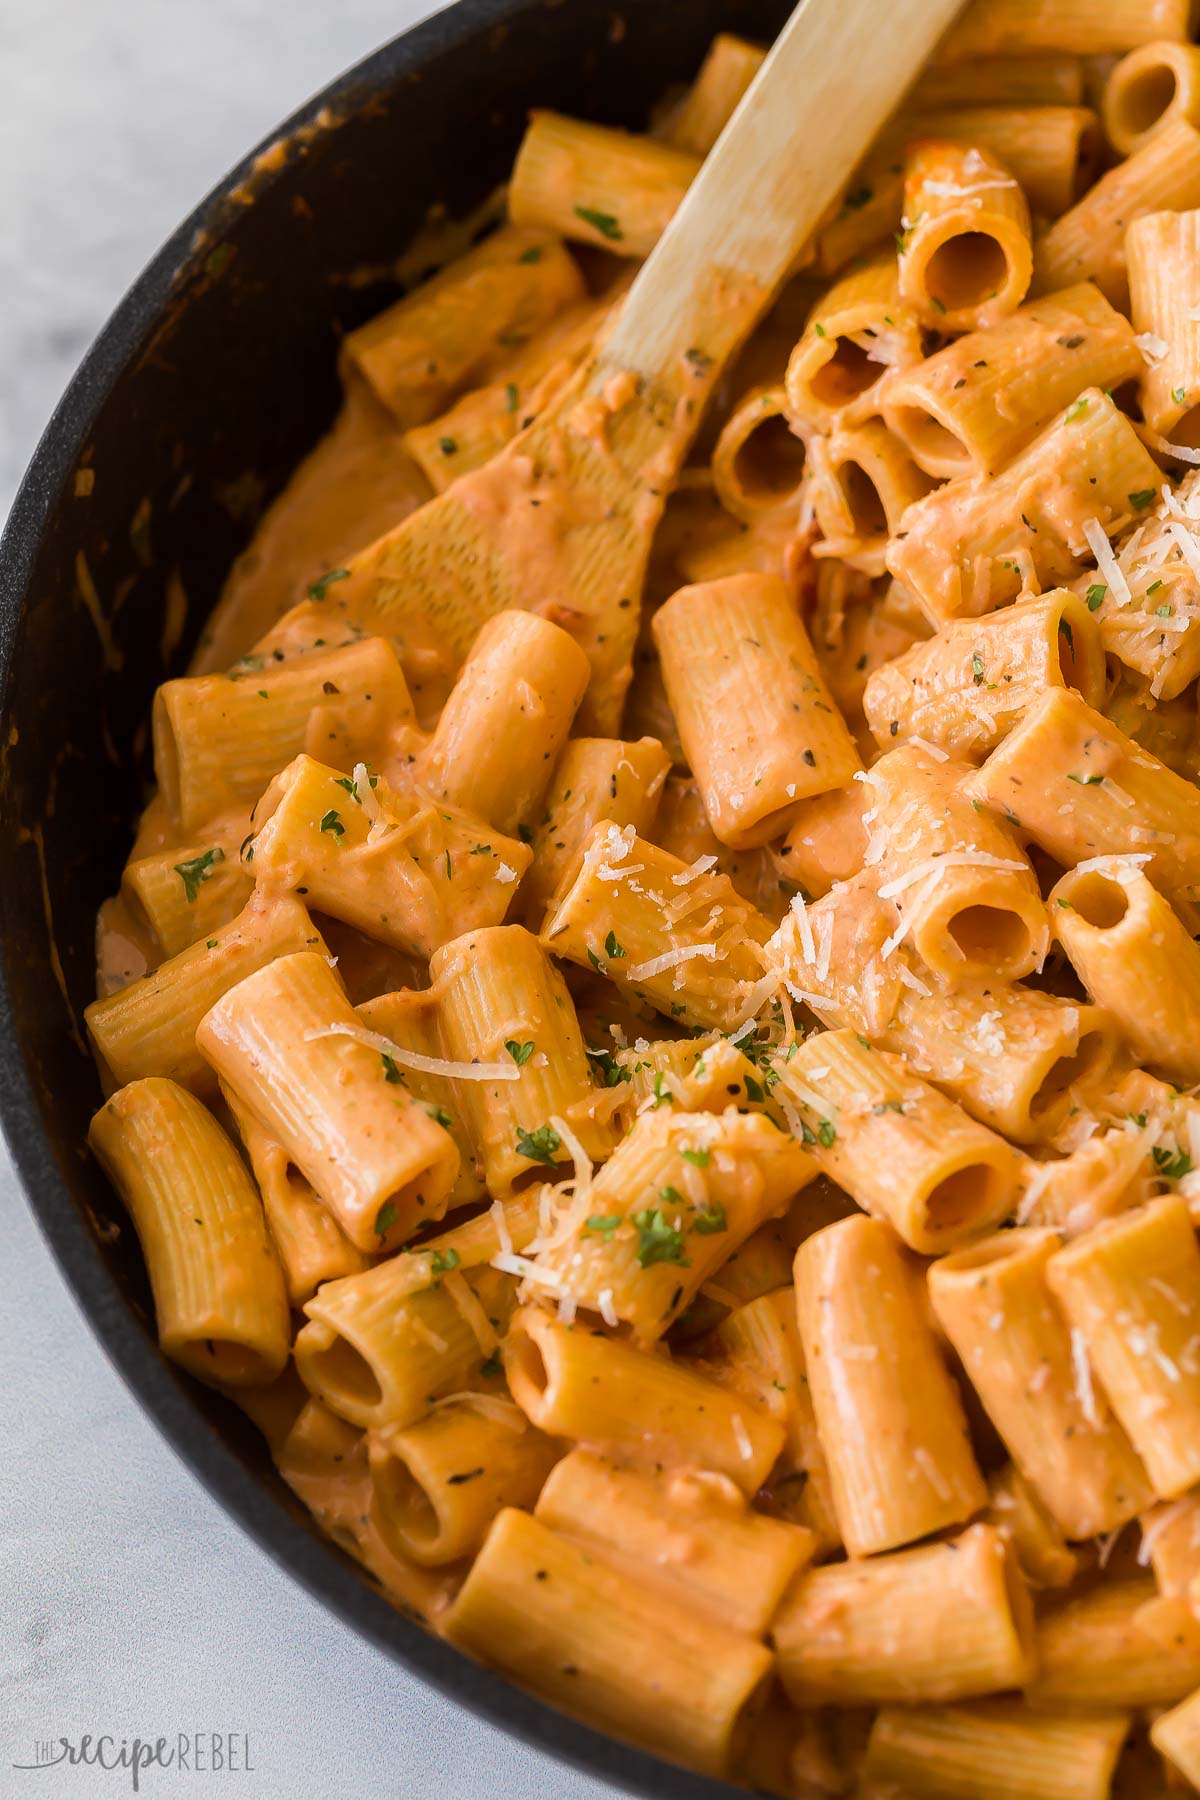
193,1753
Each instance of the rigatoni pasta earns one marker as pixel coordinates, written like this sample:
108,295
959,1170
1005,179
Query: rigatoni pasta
714,1231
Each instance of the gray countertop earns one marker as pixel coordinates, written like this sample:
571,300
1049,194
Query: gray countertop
129,1603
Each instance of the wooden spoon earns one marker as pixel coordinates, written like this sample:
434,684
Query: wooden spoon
561,520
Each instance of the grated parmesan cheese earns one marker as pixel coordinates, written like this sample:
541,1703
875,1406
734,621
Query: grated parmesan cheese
1106,562
670,959
413,1059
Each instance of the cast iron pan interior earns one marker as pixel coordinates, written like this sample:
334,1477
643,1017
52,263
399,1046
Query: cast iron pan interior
212,378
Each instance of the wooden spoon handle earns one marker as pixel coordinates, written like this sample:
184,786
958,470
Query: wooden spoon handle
836,72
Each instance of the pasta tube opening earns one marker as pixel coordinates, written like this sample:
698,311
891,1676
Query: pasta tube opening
770,460
405,1513
1087,1060
935,445
844,375
990,934
1153,85
964,1198
1100,901
339,1372
965,270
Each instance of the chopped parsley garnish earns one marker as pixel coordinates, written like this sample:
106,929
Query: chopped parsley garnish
351,787
318,589
1086,780
1066,631
709,1219
603,1225
701,1158
662,1095
607,1067
491,1365
607,224
611,947
540,1145
1179,395
1074,411
532,255
391,1072
1141,499
444,1261
467,1475
1172,1165
385,1218
195,873
520,1053
448,446
333,824
1095,595
658,1242
977,669
754,1091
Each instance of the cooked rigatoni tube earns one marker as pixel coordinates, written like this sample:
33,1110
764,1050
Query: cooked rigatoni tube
219,739
1176,1737
1148,90
407,1033
637,1406
289,1044
863,482
1000,81
944,1622
1032,1375
1000,27
966,255
1088,243
1070,780
1163,252
756,720
975,403
758,461
1148,605
149,1027
1092,1653
677,1198
760,1344
827,841
691,1531
647,1667
726,72
964,889
889,1414
219,1299
605,187
506,720
1135,957
438,1483
380,1346
996,1750
1131,1287
455,328
1011,1055
485,419
856,332
679,937
504,1007
310,1244
831,956
1052,151
900,1148
406,870
1171,1543
189,891
594,779
1018,1514
966,687
971,546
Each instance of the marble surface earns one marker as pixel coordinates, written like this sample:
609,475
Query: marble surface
129,1603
